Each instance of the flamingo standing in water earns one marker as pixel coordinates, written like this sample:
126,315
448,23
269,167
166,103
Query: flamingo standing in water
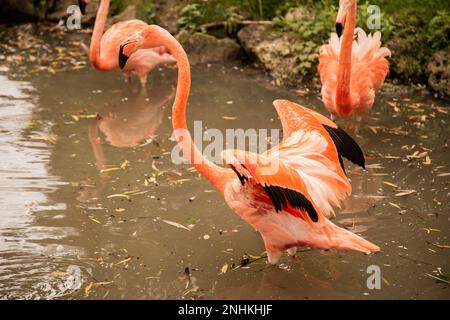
352,67
285,193
104,48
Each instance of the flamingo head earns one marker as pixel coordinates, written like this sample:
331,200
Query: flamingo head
344,6
82,4
151,37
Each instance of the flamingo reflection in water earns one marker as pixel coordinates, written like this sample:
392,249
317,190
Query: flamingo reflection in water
132,121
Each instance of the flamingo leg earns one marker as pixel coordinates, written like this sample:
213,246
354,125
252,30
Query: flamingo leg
358,124
292,251
143,80
273,256
127,76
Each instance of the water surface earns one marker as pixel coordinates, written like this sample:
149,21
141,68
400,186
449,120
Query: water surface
91,200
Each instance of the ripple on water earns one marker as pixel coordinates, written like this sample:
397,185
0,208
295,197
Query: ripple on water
29,265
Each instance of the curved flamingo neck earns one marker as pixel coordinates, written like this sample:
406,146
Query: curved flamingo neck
215,174
343,98
99,28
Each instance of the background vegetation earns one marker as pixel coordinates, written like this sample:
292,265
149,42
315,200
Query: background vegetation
412,29
415,28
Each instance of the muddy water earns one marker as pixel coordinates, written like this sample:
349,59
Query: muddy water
94,208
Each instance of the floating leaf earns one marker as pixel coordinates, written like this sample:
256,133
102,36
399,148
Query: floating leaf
405,193
390,184
88,288
427,160
374,166
118,195
109,169
123,261
229,118
224,268
418,155
445,174
78,117
175,224
179,181
95,220
394,205
125,164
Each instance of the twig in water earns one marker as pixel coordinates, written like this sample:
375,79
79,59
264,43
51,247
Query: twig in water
437,278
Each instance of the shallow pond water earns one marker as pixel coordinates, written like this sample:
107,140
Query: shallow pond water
94,208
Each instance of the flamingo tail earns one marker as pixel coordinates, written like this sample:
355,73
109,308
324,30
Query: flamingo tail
343,239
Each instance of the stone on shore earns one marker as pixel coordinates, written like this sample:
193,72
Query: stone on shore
438,72
204,48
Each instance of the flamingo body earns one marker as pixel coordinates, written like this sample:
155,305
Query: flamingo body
104,49
369,69
352,67
110,42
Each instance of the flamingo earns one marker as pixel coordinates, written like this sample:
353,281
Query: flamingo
352,67
286,193
104,48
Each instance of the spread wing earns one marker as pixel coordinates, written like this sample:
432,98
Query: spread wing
309,149
279,183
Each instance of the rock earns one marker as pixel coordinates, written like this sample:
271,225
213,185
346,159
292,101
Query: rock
404,64
299,13
438,72
20,10
274,51
204,48
167,13
129,13
58,11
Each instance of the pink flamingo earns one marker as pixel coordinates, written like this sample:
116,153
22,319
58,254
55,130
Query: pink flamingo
104,48
285,193
352,68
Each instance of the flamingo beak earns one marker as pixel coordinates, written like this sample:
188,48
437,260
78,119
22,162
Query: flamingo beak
82,5
339,29
341,17
123,58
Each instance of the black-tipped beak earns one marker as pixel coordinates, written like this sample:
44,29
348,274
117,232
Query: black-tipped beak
339,29
82,5
122,58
